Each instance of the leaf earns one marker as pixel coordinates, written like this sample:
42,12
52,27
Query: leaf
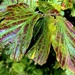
66,4
61,4
18,67
6,3
57,1
16,29
67,72
63,41
55,5
31,3
73,12
40,50
44,7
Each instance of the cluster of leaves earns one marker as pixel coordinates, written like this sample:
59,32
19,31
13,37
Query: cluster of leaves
30,27
27,67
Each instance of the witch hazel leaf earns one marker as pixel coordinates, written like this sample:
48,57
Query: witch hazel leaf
6,3
61,4
63,41
31,3
57,1
73,12
45,7
68,72
40,50
16,29
66,4
56,5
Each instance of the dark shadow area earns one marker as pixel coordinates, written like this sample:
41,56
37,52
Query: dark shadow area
1,1
50,62
69,17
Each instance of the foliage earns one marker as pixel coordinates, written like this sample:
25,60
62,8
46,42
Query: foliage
28,28
27,67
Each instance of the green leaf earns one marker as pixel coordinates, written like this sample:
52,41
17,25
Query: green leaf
66,4
40,50
73,12
16,30
6,3
67,72
31,3
61,4
63,41
57,1
55,5
44,6
18,67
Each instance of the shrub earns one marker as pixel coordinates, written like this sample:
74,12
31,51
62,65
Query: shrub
29,29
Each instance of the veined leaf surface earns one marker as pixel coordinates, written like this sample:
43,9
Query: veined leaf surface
66,4
17,29
31,3
40,50
6,3
63,41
